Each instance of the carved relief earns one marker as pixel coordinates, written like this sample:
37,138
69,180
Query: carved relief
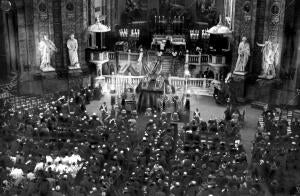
70,8
247,11
43,11
275,13
275,18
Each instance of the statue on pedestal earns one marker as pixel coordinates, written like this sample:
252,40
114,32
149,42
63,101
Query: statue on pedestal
244,53
46,47
270,59
140,61
72,45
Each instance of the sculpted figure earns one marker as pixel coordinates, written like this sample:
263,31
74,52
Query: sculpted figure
47,48
72,45
244,53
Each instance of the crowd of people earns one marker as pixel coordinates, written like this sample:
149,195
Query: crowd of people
276,152
59,149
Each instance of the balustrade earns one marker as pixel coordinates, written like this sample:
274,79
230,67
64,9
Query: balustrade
130,57
191,82
204,58
111,56
194,59
99,56
119,82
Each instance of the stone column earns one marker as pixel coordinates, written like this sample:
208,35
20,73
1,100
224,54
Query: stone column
186,65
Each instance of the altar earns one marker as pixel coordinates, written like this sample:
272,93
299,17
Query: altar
161,40
150,90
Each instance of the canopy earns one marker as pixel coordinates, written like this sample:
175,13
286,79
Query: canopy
98,27
219,29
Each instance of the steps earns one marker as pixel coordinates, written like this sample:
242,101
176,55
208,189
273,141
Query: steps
167,67
166,63
258,105
194,91
179,66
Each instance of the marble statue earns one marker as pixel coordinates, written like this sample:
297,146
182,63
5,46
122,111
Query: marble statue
244,53
46,47
269,59
140,61
72,45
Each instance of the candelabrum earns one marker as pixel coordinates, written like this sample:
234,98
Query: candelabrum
123,33
205,34
194,34
178,19
135,33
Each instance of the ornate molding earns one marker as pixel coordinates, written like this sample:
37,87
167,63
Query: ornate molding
70,10
43,11
247,10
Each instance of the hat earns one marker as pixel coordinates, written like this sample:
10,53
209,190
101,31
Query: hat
253,191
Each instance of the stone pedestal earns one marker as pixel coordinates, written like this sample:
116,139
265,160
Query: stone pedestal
239,86
240,73
48,74
74,72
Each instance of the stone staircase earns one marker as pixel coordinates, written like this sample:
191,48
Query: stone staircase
166,63
179,66
194,91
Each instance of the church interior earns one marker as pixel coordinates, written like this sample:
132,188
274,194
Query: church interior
149,97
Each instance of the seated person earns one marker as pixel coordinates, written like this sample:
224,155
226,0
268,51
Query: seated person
148,112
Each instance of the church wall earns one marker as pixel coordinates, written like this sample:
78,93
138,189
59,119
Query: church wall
244,25
57,19
3,48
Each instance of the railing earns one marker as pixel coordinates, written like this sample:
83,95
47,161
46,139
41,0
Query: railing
204,58
194,59
198,59
133,57
191,82
111,56
119,82
99,56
